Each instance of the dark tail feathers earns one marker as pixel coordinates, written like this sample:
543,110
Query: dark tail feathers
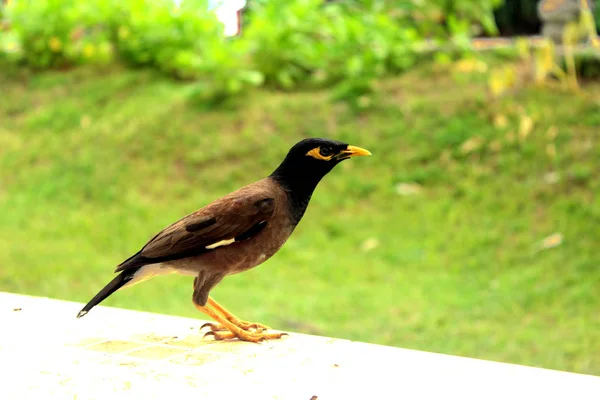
134,262
114,285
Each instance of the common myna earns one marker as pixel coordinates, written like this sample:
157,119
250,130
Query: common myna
233,234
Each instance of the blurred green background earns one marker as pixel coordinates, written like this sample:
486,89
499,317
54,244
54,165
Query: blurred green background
472,230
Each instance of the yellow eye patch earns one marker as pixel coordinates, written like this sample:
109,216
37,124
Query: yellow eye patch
316,153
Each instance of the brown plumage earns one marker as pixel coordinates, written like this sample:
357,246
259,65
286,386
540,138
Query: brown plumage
233,234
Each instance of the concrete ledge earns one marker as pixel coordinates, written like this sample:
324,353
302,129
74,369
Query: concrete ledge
46,353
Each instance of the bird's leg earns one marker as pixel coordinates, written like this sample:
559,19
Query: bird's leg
202,285
245,325
233,331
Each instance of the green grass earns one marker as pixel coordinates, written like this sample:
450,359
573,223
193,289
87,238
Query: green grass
94,163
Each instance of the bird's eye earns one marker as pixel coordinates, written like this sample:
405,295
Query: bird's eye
325,151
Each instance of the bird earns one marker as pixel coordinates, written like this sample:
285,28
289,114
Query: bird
233,234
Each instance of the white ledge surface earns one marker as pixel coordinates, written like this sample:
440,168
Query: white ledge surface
46,353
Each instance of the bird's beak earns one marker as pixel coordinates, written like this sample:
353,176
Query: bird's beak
354,151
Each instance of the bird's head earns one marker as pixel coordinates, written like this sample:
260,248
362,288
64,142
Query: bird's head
309,160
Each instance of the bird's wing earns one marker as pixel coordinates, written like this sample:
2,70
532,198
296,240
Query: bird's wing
235,217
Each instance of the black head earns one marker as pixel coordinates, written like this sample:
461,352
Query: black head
307,162
311,159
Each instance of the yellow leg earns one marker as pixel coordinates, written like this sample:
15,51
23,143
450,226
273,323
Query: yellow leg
245,325
234,331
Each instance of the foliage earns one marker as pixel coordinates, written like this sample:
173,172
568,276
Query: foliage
285,43
312,44
472,17
56,33
443,19
225,73
286,51
174,39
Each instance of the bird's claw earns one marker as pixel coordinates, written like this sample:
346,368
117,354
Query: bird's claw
246,336
207,334
222,335
247,326
212,326
253,326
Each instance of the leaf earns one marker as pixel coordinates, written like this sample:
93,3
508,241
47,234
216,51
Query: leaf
525,126
551,178
501,80
500,121
408,189
571,35
554,240
551,150
369,244
523,48
470,65
544,61
55,44
496,83
471,145
255,78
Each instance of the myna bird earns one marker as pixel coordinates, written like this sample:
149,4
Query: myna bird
233,234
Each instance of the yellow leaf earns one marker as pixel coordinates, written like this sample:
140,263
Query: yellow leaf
525,126
551,241
500,121
471,145
369,244
408,189
588,24
10,47
89,50
85,121
544,61
510,77
55,44
470,65
123,32
523,48
551,150
570,34
496,83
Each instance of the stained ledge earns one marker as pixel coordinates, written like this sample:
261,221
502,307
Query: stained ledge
45,353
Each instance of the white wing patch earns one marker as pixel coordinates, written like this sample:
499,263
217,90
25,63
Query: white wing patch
150,271
225,242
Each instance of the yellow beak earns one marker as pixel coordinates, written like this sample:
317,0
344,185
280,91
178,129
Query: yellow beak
354,151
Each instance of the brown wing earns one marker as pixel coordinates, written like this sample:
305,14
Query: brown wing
237,216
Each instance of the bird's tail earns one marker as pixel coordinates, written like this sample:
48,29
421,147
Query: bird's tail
120,280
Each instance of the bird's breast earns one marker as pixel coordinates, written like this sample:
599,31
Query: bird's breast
254,251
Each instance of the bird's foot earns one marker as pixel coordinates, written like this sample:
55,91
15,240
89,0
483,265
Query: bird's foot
245,325
244,335
229,326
